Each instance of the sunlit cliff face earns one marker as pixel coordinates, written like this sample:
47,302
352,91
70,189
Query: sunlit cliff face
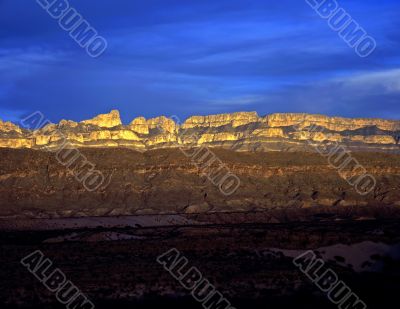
275,132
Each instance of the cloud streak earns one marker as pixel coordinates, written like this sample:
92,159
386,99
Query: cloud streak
174,57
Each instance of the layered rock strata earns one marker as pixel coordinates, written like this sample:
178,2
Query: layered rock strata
34,183
246,131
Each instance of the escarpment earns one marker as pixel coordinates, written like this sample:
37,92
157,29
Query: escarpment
242,131
33,183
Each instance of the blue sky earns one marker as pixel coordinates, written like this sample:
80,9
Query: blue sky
175,57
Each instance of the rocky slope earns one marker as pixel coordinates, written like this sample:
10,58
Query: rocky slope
238,131
33,183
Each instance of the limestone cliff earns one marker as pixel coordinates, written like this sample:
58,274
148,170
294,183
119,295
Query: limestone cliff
238,131
139,125
330,123
9,127
235,119
105,120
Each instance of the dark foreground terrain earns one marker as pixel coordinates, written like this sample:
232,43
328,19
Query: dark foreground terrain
107,241
250,264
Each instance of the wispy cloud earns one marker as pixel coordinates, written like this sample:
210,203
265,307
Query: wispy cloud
387,81
198,56
238,101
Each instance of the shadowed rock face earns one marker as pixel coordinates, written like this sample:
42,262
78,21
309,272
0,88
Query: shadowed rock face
244,131
34,183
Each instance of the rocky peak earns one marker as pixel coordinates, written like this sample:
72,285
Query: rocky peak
109,120
139,125
235,119
8,127
330,123
163,123
68,123
241,131
138,121
48,128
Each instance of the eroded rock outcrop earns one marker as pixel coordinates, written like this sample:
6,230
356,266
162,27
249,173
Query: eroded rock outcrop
239,131
139,125
110,120
330,123
9,127
235,119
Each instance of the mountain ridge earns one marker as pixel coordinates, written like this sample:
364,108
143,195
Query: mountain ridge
240,130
